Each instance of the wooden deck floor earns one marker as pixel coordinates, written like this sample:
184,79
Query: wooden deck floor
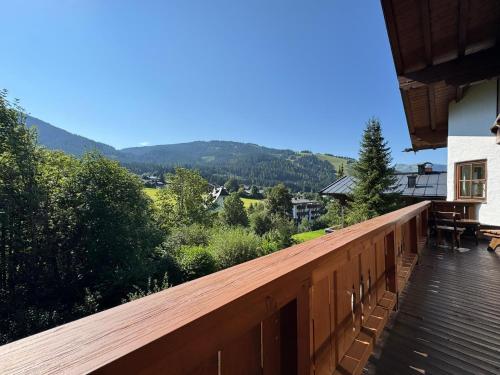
449,317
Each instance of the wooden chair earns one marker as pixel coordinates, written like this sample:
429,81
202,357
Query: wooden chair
494,236
442,221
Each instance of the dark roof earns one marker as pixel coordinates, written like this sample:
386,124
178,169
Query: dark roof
439,49
427,185
343,186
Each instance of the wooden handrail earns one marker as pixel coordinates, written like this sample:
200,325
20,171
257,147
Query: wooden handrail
280,313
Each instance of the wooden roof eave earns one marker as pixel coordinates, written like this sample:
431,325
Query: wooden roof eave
449,52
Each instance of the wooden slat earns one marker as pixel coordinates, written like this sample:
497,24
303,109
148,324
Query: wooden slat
321,318
271,345
243,355
304,363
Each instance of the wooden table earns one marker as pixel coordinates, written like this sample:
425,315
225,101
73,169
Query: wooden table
465,223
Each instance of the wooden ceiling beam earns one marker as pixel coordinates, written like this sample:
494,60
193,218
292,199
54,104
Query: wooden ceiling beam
432,106
392,30
429,135
420,147
408,111
425,19
468,69
463,14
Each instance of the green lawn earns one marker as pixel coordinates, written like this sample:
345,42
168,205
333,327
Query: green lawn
151,193
248,201
306,236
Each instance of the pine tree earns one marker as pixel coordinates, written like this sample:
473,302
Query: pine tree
374,176
341,172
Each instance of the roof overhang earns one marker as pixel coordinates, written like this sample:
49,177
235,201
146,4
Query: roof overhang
440,48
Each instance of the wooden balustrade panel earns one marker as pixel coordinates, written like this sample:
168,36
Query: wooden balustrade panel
348,321
321,316
243,355
413,223
391,263
367,267
334,319
398,233
406,238
271,344
380,281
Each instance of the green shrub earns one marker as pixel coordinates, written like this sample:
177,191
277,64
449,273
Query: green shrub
283,229
304,226
196,261
260,222
233,246
188,235
269,246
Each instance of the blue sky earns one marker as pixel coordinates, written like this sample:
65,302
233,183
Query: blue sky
281,73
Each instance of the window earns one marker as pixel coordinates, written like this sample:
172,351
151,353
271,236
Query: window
471,180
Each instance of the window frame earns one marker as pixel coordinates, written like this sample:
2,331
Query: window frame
458,180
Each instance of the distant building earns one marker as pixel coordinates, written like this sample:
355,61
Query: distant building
306,208
218,194
152,182
425,184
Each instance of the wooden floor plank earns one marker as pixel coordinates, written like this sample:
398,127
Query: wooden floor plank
448,321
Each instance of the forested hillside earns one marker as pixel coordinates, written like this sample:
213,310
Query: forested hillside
250,163
216,160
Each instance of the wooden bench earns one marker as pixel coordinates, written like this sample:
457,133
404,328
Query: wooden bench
494,236
442,221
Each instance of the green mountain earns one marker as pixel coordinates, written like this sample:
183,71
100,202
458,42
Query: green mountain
250,163
55,138
216,160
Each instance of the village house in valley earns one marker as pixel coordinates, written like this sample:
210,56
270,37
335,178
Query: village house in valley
218,194
306,208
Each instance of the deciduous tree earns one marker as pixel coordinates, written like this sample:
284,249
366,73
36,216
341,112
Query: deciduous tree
234,213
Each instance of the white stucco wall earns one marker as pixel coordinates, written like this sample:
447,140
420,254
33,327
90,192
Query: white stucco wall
469,138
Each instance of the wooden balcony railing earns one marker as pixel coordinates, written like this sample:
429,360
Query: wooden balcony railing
316,307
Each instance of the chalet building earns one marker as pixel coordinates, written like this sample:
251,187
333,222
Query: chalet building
448,66
218,195
425,184
305,208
